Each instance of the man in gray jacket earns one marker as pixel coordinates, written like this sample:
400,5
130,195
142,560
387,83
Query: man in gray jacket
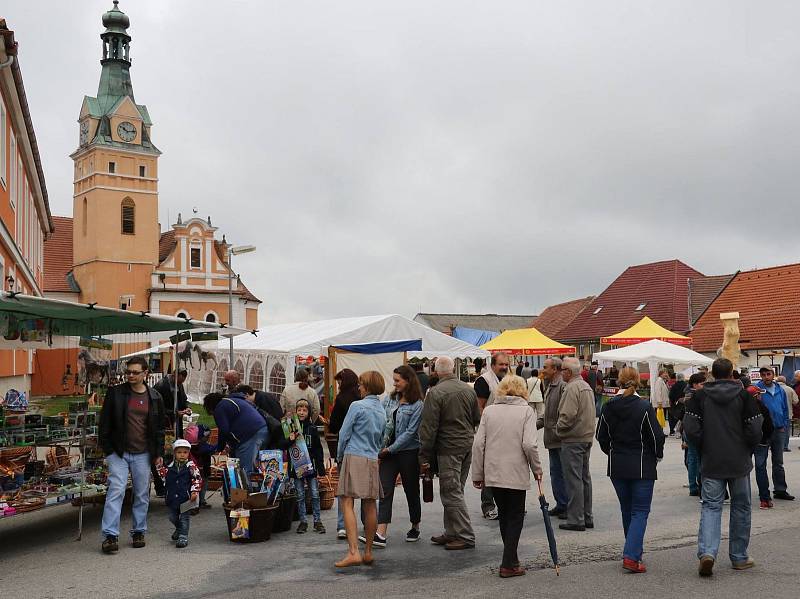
449,419
575,428
554,387
724,422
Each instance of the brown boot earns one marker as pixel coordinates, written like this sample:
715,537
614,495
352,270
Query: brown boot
441,540
457,545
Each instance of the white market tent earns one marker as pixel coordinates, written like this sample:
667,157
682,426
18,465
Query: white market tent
313,338
267,359
654,352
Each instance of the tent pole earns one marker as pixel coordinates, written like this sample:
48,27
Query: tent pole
175,369
83,464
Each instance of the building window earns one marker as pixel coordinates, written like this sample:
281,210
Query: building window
2,142
112,167
257,376
194,257
211,317
125,302
182,315
142,170
597,311
85,217
277,379
640,307
128,217
12,175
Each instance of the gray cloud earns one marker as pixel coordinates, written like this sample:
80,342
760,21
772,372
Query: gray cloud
448,156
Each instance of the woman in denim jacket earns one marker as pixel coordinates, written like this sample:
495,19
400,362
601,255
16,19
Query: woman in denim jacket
360,440
400,454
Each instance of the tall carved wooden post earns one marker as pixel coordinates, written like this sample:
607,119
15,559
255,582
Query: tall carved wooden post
730,339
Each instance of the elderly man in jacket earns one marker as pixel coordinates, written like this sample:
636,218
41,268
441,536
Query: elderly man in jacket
774,397
659,392
554,387
724,422
449,418
575,429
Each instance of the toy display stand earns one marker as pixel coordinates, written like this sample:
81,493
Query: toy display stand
56,480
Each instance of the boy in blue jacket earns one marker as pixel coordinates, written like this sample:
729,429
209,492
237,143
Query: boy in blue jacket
183,482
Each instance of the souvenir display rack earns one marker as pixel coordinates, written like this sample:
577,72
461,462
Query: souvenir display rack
71,471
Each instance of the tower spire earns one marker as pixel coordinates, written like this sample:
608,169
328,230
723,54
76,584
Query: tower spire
115,79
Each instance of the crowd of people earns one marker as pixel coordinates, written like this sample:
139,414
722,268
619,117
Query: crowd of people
488,433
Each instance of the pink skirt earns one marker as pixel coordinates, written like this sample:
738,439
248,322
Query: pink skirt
359,478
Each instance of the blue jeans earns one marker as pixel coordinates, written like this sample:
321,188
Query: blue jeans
557,479
180,522
313,484
635,497
247,450
138,464
693,467
787,433
711,518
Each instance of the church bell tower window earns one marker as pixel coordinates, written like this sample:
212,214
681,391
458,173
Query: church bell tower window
128,217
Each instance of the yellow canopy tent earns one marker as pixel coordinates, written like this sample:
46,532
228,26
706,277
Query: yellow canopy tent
526,342
645,330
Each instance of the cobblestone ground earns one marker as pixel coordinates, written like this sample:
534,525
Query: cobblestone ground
40,558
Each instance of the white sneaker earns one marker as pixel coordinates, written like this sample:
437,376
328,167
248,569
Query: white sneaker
341,533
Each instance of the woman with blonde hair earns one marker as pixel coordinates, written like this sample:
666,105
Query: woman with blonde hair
629,433
360,440
503,456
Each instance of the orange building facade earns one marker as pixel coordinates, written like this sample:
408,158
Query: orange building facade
112,250
25,221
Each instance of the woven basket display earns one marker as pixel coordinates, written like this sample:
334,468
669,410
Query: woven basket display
27,504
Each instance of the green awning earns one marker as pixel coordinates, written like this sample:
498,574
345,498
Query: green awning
23,315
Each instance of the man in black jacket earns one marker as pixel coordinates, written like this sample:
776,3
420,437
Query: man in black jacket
166,388
725,424
131,434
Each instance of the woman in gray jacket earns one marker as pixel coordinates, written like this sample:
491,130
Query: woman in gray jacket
503,456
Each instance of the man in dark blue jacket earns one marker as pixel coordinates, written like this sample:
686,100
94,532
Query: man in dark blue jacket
774,398
724,422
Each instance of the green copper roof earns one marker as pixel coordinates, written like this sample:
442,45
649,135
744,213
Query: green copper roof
116,21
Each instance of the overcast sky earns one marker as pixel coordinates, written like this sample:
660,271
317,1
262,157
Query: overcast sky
447,156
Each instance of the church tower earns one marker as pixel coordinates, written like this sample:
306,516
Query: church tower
115,202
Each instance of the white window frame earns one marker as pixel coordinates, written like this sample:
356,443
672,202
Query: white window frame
127,300
3,136
195,245
12,174
211,313
183,311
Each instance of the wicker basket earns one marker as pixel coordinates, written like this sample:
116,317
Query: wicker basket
27,504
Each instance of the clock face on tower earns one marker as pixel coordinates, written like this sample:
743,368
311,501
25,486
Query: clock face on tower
84,132
126,131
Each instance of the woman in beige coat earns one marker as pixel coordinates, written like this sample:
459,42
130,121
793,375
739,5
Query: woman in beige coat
503,456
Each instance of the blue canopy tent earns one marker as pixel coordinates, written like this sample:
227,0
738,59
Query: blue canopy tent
474,336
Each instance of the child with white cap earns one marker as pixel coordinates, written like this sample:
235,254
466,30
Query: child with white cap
183,482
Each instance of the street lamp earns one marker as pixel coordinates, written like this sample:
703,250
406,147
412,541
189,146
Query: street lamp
234,251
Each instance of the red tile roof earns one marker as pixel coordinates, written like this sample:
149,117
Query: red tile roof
165,245
662,288
766,300
703,291
555,318
58,256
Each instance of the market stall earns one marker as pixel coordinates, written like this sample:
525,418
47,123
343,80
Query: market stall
72,470
645,330
527,342
654,353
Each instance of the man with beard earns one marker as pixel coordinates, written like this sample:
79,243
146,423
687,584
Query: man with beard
485,387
